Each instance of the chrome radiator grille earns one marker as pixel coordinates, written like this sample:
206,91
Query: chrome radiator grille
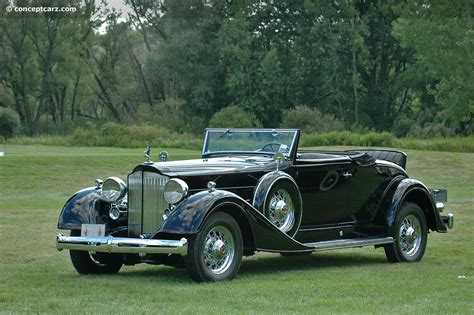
146,204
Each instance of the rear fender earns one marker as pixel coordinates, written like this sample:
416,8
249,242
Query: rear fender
412,190
189,217
81,208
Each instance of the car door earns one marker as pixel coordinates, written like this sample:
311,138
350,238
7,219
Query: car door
324,185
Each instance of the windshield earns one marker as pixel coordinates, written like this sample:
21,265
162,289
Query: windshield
249,141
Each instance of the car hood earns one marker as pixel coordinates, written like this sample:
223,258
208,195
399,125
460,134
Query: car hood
211,166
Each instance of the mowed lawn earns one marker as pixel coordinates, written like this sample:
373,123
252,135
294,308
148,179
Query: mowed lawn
35,181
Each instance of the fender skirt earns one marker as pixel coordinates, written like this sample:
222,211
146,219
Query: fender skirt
80,208
190,215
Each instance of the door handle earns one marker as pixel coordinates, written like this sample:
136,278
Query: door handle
346,174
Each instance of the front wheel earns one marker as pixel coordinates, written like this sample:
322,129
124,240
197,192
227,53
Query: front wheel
99,263
216,252
410,233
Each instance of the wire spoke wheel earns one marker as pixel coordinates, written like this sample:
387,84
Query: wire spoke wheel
410,233
283,206
281,210
218,250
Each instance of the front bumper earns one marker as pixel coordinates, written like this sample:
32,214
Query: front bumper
125,245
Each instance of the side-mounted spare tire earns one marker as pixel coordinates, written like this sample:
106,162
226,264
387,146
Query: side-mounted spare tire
281,202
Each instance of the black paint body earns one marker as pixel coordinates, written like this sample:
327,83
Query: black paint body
344,194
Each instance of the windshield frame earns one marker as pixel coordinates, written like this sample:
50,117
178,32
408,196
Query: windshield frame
292,149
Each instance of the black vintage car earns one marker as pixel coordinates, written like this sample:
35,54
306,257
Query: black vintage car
252,190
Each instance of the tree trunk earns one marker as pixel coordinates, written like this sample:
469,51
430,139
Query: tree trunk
141,75
61,103
52,27
104,96
74,95
52,108
26,102
354,74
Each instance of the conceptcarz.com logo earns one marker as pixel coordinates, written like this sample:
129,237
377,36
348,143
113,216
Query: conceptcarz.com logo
40,9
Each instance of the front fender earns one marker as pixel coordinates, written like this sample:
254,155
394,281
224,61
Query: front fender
415,191
80,208
190,215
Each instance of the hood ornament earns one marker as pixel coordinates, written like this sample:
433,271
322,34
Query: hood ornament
147,153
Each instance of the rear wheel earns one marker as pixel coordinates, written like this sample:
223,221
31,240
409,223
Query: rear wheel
99,263
216,252
410,233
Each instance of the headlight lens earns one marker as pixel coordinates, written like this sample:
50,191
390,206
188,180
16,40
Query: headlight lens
175,190
113,189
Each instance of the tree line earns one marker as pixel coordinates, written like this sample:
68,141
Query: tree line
401,66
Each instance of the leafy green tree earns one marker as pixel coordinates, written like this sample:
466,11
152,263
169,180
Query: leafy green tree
311,120
234,117
441,34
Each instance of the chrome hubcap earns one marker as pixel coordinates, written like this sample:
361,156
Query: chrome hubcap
281,211
410,235
219,250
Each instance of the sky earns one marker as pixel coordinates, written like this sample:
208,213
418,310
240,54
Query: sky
119,5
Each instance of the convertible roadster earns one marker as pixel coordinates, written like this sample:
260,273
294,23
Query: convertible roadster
252,190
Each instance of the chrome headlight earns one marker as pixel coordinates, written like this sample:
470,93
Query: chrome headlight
113,189
175,190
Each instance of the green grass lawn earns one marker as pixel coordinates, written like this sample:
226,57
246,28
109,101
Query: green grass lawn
35,181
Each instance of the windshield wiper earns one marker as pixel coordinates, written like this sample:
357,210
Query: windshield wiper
228,131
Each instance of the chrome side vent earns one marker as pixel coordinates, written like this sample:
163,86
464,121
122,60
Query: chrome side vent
146,202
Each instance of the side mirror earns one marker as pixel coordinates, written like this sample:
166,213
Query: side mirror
164,156
278,158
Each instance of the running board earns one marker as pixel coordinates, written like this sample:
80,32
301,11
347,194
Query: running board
347,243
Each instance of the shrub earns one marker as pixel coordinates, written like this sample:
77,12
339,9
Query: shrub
234,117
310,120
84,136
402,125
431,130
9,122
112,129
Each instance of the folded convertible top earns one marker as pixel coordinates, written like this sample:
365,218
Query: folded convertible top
397,157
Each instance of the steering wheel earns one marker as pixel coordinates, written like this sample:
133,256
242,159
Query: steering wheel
271,147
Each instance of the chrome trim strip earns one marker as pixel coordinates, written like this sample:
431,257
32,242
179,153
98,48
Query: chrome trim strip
328,163
110,244
390,164
347,243
223,188
328,227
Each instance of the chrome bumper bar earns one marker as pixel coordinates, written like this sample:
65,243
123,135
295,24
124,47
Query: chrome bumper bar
110,244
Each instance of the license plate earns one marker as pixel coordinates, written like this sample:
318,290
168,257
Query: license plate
92,230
